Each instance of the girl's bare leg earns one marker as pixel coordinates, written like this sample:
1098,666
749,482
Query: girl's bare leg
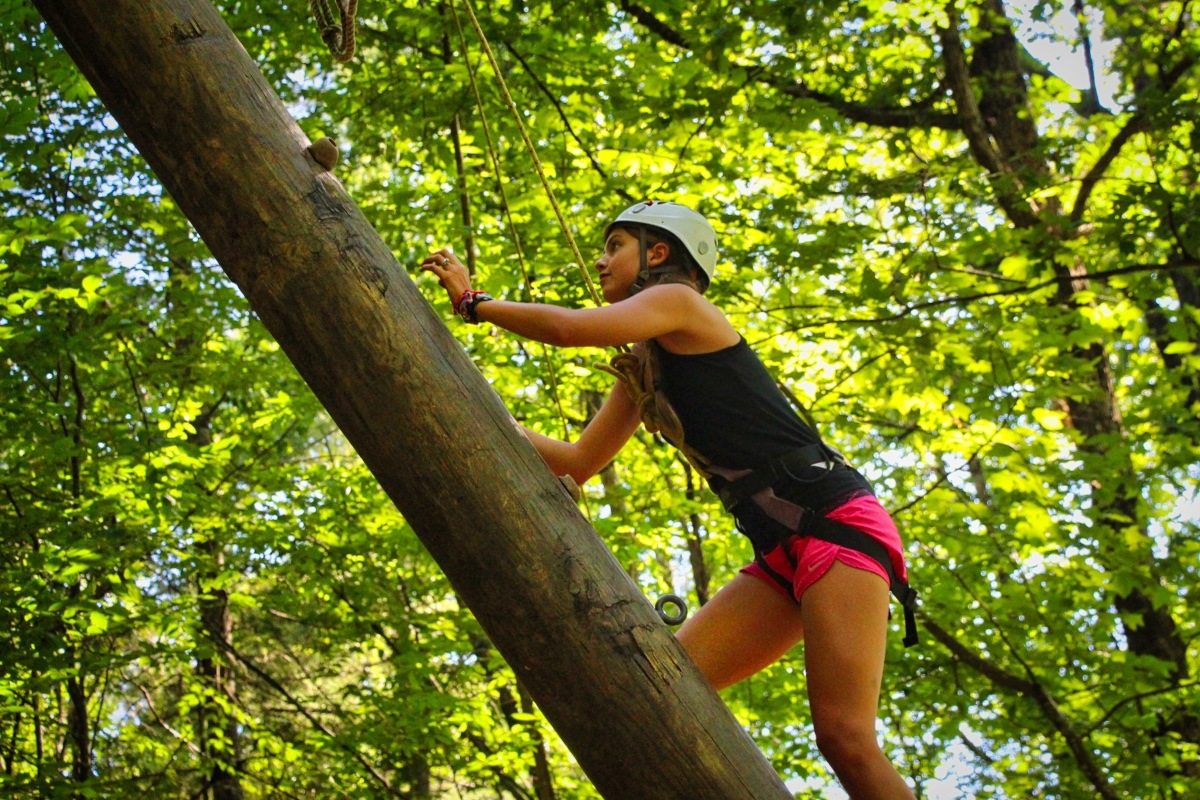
749,625
845,623
744,628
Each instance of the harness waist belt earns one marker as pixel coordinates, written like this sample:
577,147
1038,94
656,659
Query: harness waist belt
785,466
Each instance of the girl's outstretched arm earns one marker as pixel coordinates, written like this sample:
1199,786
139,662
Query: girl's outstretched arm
655,311
663,310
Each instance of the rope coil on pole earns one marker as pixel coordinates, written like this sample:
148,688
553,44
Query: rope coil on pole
337,30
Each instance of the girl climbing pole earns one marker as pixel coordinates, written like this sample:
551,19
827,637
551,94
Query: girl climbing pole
826,552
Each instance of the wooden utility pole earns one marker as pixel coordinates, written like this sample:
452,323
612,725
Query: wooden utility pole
608,675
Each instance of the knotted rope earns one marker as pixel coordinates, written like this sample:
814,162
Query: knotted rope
337,31
638,372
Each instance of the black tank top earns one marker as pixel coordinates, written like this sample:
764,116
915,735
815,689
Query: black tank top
735,415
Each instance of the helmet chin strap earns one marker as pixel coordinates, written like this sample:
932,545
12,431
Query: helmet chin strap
644,271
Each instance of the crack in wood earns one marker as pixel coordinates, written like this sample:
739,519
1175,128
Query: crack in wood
657,662
325,204
365,270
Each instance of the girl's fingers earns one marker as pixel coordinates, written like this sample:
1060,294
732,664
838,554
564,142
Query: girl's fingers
450,272
439,262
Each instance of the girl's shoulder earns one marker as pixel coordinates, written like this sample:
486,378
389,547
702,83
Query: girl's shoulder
703,329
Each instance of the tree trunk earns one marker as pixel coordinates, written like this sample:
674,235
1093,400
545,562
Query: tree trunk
609,676
220,739
39,733
1005,142
79,730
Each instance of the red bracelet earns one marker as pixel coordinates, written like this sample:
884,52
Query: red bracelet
465,307
458,303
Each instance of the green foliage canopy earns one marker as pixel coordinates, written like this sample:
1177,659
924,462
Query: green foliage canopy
979,280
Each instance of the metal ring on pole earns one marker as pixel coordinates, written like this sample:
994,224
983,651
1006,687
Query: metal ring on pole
675,600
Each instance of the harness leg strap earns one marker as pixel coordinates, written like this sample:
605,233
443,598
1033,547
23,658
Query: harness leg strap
834,532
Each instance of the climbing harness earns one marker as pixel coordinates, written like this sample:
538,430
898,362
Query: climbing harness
337,31
745,486
636,371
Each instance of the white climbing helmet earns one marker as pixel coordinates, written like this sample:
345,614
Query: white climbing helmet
688,226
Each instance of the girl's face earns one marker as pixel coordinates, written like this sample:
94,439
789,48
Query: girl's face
619,265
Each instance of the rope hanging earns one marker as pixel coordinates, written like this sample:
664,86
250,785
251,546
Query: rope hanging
493,156
537,163
337,30
504,204
635,370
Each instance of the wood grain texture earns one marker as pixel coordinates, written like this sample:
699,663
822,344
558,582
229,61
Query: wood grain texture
606,672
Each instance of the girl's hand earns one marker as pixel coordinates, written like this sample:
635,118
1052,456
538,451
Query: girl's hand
450,272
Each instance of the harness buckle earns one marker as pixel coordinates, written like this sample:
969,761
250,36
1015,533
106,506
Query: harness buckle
909,602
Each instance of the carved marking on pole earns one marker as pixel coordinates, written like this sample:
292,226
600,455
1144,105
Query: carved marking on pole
187,32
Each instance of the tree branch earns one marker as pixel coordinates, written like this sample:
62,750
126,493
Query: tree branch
126,354
1137,122
16,506
1034,691
1085,36
917,115
1133,125
266,678
961,299
1143,696
1075,742
986,154
510,784
993,672
163,723
958,76
976,749
1089,102
567,122
77,430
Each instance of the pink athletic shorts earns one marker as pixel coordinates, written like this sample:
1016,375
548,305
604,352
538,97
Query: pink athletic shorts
811,558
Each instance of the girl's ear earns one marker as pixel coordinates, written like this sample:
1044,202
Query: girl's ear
657,254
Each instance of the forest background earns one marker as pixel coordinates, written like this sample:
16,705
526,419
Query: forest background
979,280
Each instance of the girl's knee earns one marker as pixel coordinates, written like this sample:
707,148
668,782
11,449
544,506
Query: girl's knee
848,746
